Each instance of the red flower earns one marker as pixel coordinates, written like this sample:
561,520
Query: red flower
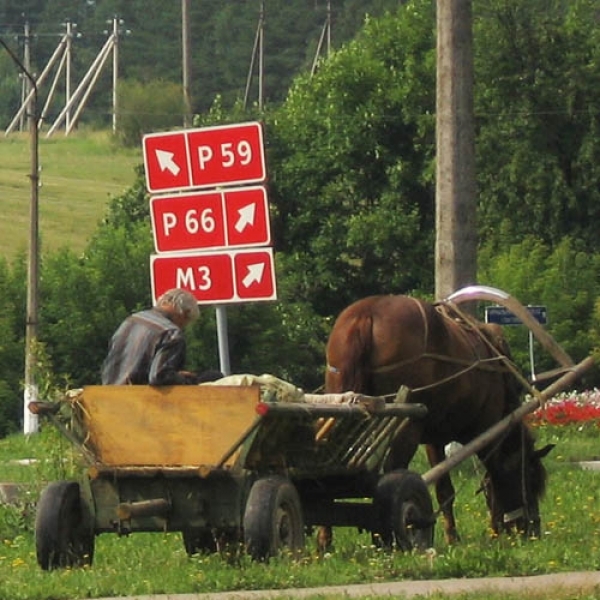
568,409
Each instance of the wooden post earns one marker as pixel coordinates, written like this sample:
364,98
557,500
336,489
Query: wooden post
456,227
186,62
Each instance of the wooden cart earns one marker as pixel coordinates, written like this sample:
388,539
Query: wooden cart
222,466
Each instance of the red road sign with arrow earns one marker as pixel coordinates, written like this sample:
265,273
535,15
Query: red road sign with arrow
217,277
205,157
208,220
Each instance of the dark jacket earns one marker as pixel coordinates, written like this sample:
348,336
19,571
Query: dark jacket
147,348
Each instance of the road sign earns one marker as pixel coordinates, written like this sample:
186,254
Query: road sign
204,157
210,220
217,277
503,316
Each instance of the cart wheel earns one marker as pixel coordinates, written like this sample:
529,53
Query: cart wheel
404,511
273,518
61,539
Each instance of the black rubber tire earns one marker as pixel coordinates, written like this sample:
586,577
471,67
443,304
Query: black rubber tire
62,539
404,512
273,519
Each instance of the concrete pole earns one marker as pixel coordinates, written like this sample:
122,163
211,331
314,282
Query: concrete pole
456,202
26,88
68,76
115,95
30,421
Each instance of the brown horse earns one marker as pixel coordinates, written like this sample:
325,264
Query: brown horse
457,367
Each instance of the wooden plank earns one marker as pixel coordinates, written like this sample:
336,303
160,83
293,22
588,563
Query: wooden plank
139,425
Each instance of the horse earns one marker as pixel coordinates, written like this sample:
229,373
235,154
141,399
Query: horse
460,369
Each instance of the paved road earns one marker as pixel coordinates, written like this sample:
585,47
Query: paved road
586,581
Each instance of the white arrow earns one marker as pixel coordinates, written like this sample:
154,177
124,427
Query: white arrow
246,217
166,162
255,273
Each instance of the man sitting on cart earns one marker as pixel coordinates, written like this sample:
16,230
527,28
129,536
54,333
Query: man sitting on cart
149,346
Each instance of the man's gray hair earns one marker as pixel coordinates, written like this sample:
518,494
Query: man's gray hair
181,302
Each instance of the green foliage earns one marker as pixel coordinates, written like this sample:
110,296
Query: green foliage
12,330
536,103
31,462
350,155
146,107
9,88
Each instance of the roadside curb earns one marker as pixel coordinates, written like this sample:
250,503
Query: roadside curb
577,581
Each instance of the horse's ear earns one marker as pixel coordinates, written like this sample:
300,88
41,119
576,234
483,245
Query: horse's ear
542,452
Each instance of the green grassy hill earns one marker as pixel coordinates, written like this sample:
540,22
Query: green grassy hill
79,175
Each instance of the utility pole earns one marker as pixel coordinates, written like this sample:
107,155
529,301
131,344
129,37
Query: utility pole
261,58
456,202
26,84
186,62
115,97
68,55
324,38
258,49
30,421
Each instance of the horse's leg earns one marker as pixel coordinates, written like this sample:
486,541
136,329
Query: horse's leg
445,493
403,446
491,499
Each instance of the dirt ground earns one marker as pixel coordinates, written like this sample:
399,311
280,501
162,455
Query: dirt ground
549,585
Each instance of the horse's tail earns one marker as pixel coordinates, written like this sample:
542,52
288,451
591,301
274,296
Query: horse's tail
351,370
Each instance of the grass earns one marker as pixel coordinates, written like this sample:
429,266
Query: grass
135,565
79,174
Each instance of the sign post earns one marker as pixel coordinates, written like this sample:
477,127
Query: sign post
210,217
502,316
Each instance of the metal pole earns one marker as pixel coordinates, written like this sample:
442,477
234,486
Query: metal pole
223,340
30,421
531,358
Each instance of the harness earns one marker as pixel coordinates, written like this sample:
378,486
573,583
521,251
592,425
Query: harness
471,331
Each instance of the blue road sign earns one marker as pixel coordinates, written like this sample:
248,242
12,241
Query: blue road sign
503,316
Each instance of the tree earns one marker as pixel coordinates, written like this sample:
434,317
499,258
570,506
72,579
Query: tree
536,105
147,107
565,279
12,345
352,161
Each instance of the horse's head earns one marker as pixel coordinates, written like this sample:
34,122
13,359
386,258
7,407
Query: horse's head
515,484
